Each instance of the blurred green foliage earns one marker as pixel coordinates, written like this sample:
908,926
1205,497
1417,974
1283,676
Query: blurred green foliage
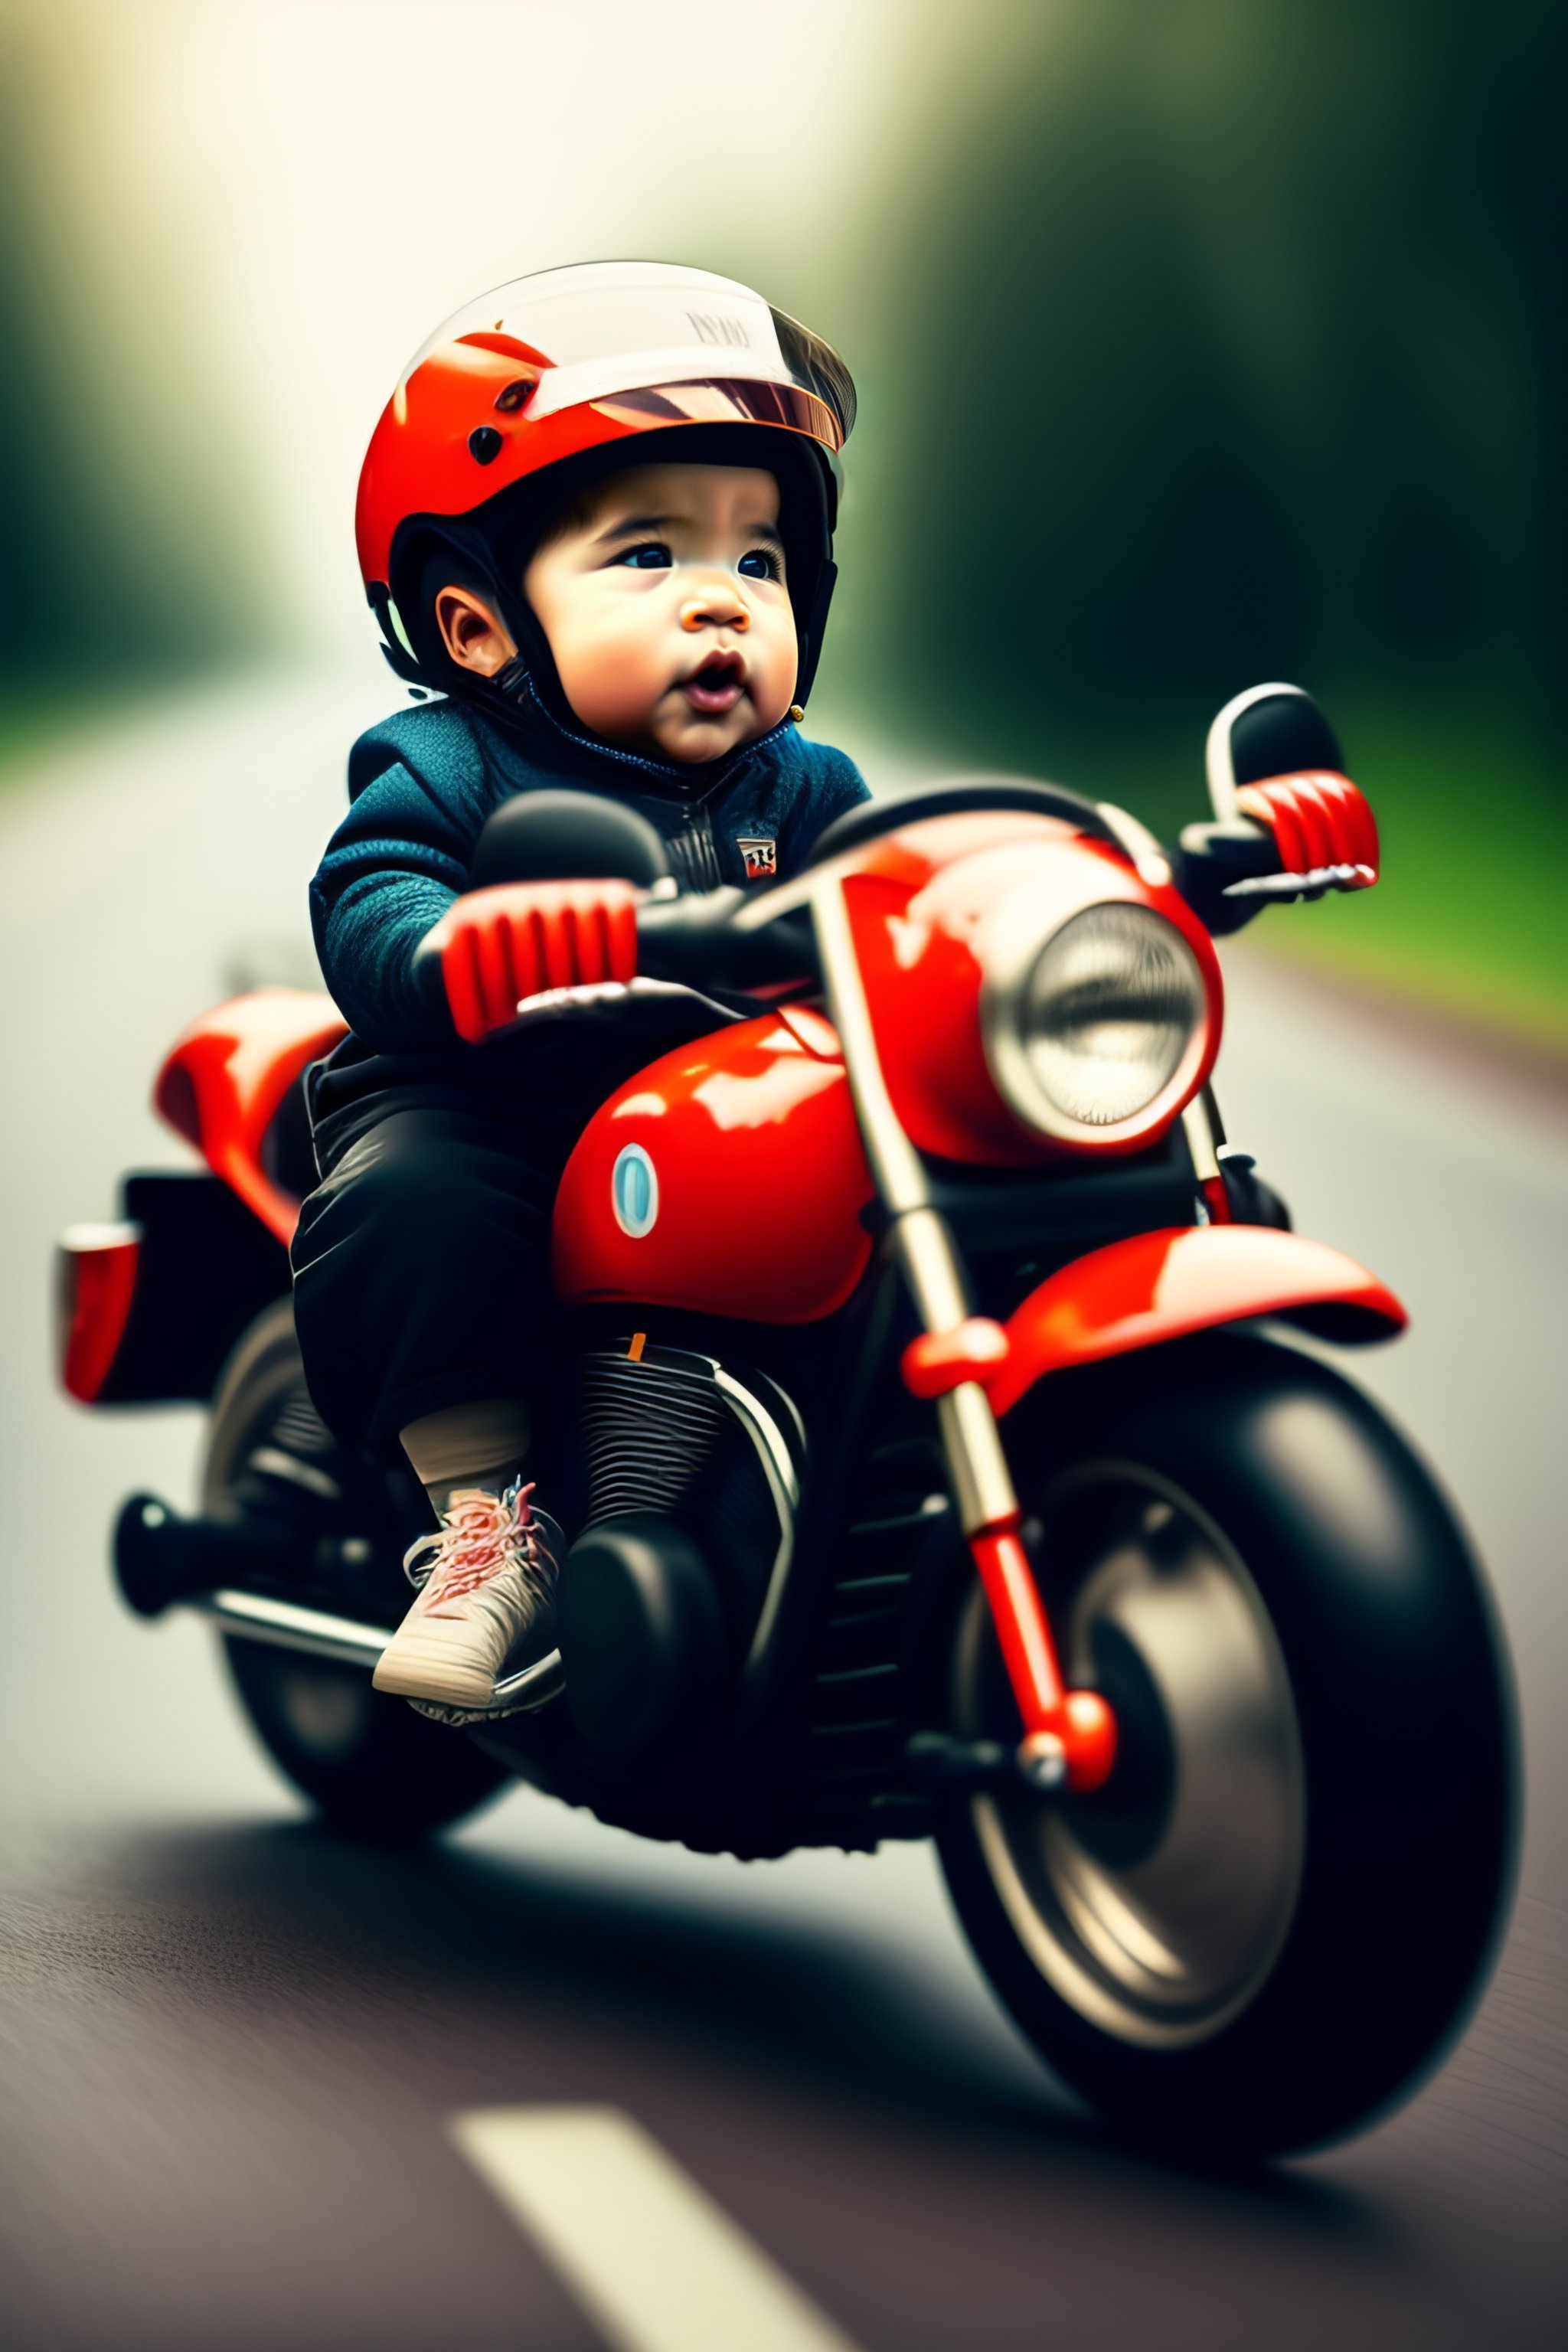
1226,344
126,554
1471,915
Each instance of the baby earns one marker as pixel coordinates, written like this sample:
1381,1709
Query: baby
636,610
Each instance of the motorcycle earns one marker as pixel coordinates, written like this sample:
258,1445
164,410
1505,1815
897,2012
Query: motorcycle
946,1444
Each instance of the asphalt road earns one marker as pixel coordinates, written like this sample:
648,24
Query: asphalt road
231,2049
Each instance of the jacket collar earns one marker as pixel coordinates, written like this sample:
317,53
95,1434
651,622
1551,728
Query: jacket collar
523,715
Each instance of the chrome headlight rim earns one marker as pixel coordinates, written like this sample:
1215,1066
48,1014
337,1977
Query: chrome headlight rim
1013,946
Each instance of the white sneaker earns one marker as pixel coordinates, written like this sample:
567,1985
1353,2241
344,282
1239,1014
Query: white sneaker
487,1577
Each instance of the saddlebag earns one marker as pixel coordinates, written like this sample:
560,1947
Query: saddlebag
150,1307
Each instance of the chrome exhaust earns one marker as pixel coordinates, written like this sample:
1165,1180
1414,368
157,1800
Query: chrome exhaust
256,1617
163,1561
284,1625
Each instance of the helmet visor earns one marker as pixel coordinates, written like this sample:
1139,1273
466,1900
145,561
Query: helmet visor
728,401
708,347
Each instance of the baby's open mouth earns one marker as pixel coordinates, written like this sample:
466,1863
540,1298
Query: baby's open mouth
718,686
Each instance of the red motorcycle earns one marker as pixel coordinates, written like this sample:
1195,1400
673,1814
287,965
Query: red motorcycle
938,1455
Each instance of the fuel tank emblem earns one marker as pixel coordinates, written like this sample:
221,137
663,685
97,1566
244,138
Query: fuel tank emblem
634,1191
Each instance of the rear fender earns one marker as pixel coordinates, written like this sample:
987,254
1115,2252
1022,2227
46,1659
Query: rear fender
226,1079
149,1308
1163,1286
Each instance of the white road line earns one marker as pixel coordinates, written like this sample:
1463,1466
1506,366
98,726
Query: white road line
656,2263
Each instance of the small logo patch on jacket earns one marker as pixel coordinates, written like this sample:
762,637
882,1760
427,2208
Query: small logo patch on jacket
761,856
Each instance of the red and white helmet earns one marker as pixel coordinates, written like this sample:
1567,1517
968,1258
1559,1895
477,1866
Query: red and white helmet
550,369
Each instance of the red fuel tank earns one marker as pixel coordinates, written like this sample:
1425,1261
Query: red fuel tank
727,1178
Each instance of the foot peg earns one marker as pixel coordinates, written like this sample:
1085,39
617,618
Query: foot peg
946,1765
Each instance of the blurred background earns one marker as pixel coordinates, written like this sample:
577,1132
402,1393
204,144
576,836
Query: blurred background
1197,344
1200,342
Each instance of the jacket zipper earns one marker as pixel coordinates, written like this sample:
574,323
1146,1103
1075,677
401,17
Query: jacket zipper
694,851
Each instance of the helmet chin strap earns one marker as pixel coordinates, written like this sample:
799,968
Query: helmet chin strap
393,651
533,660
472,560
811,636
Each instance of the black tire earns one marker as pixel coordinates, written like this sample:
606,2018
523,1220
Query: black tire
1277,1913
367,1762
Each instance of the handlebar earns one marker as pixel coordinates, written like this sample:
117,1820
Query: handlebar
696,939
726,939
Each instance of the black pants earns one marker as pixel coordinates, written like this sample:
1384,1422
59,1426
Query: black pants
422,1263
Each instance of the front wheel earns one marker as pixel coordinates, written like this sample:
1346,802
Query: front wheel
1277,1912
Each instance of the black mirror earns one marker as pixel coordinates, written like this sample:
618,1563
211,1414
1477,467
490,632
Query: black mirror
1280,734
555,837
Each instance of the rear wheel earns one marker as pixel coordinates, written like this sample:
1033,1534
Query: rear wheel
1276,1913
367,1762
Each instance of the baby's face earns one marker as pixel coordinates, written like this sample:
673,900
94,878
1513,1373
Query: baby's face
667,611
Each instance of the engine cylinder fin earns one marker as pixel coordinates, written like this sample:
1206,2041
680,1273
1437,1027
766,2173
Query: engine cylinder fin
676,1434
649,1430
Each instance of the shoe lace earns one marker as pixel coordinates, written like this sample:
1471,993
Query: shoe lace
483,1532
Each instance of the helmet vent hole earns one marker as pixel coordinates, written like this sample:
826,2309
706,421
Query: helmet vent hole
484,443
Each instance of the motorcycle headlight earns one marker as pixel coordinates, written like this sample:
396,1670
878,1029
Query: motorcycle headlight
1097,1025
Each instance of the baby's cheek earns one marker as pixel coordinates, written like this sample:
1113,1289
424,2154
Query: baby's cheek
613,685
774,681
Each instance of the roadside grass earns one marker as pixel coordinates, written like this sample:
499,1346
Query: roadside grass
1470,915
37,720
30,726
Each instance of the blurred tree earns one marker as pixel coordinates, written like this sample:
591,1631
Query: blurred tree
128,551
33,573
1227,346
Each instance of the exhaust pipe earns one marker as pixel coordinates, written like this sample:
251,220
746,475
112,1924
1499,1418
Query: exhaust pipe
160,1558
163,1561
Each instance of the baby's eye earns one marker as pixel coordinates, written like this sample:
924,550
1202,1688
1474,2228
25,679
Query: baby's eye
759,563
651,556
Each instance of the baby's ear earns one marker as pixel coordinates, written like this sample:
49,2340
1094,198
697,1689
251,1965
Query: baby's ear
472,633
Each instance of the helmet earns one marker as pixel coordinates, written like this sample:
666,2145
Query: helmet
553,377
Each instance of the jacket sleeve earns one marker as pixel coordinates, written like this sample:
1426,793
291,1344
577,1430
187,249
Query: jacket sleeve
391,871
834,784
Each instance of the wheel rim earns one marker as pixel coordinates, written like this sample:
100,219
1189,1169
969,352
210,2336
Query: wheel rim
264,1369
1158,1908
325,1710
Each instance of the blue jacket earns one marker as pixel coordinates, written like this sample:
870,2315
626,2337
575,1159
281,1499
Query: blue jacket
422,784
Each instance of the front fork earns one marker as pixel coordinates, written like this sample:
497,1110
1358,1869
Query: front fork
1069,1735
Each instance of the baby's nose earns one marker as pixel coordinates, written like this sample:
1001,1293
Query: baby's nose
716,608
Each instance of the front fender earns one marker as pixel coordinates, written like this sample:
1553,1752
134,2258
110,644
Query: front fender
1163,1286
